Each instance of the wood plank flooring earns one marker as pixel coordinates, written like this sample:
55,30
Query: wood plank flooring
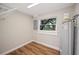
34,49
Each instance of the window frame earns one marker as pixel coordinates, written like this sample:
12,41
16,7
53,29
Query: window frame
54,32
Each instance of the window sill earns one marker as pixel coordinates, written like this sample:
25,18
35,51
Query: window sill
48,32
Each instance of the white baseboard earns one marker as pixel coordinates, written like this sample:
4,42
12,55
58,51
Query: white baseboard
47,45
6,52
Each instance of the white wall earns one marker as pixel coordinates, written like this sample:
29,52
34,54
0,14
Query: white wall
15,30
53,40
77,8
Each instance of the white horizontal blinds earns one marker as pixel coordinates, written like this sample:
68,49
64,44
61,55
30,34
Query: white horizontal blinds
35,24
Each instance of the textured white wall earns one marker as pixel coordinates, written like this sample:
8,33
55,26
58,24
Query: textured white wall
15,30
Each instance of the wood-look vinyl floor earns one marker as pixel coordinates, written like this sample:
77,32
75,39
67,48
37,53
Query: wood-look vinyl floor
34,49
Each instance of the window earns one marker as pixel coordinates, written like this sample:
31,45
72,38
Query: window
48,24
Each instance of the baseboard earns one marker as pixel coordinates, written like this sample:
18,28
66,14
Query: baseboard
47,45
6,52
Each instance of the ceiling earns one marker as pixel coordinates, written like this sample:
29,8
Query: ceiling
39,9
